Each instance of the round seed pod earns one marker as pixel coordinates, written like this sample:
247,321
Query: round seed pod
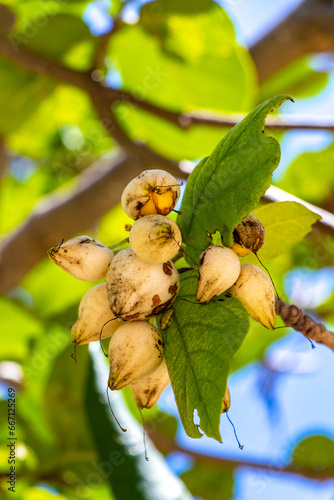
94,314
152,192
83,257
249,236
147,390
155,238
255,290
135,351
219,269
139,290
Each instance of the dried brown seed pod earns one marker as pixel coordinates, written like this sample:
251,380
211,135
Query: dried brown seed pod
249,236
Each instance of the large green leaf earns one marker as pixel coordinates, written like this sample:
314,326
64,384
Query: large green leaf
199,345
311,176
55,35
130,476
64,398
286,223
297,79
208,482
315,453
19,327
182,60
225,188
20,96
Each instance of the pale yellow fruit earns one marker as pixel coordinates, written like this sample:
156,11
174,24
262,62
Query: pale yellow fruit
219,269
147,390
94,314
155,238
139,290
152,192
135,351
226,401
249,236
83,257
255,290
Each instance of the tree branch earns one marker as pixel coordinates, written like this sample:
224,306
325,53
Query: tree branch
294,317
166,445
187,120
39,64
308,29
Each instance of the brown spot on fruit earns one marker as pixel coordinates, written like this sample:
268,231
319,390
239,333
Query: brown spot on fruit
156,301
173,289
167,268
132,317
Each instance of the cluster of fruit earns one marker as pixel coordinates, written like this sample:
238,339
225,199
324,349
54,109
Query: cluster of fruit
142,283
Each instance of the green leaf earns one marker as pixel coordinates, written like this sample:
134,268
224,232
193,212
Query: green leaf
64,397
208,482
184,60
19,327
311,176
286,223
199,346
315,453
153,13
225,188
297,79
122,453
55,36
53,289
20,96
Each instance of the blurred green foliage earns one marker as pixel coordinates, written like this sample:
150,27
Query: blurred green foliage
183,56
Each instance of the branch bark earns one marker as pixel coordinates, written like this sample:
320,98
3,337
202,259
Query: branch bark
294,317
308,29
166,445
39,64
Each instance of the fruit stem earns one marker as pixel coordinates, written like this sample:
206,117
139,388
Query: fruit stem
144,435
120,243
113,414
